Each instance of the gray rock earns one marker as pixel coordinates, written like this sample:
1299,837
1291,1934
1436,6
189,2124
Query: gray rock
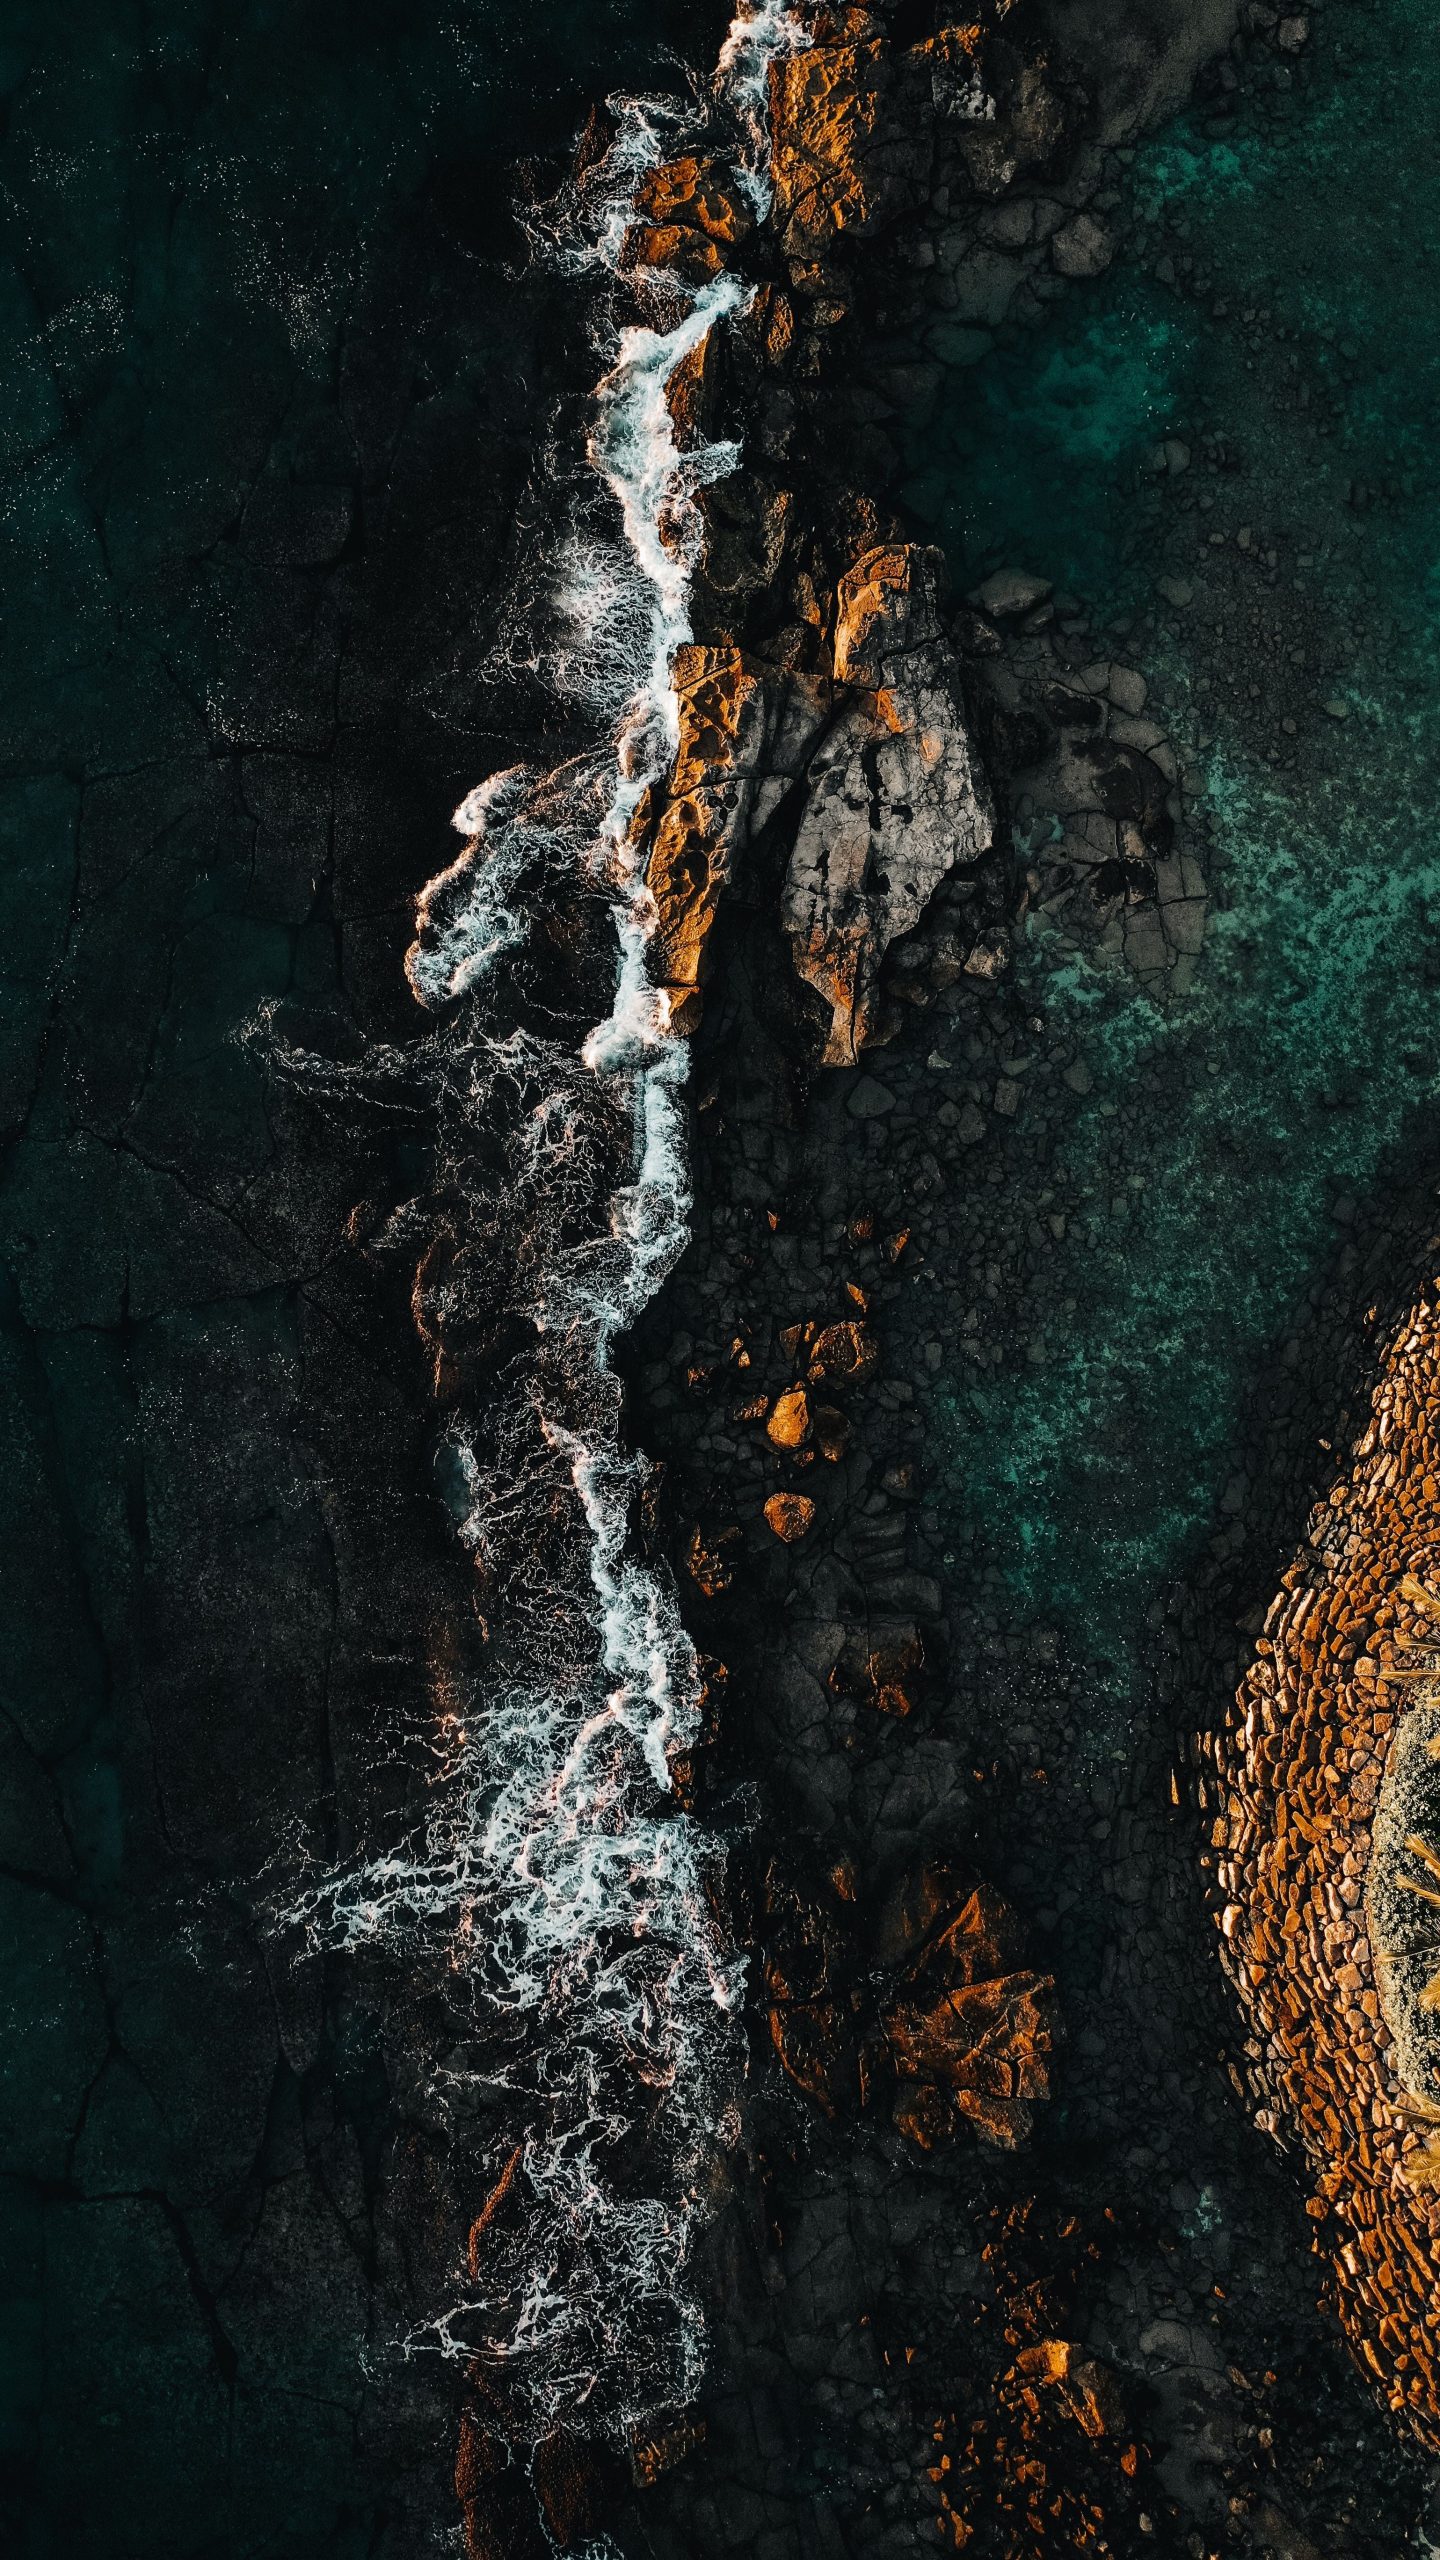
894,798
870,1099
1084,248
1128,690
1009,594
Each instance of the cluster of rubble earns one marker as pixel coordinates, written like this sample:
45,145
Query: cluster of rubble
924,2003
1326,1889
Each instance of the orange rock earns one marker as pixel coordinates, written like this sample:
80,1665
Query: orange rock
812,2040
659,2449
1085,2388
850,145
847,1351
568,2479
987,2040
690,846
1324,1856
790,1421
790,1515
885,1672
923,2114
832,1432
691,393
689,218
972,2023
886,603
707,1563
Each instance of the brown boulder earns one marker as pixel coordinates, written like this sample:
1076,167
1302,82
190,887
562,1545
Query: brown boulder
1056,2373
789,1423
743,735
721,717
791,1516
970,2023
569,2479
690,216
850,147
843,1351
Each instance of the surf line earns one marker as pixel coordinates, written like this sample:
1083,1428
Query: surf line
556,1882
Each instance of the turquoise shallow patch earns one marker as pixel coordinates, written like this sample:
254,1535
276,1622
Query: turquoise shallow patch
1303,1062
1021,464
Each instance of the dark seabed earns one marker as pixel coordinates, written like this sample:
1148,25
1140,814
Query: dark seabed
1241,409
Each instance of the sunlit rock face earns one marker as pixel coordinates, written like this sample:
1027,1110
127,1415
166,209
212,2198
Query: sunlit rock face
1324,1792
863,132
895,799
867,772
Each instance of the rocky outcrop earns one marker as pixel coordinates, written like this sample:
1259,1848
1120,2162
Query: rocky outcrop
1324,1800
864,133
690,216
894,800
869,771
918,2001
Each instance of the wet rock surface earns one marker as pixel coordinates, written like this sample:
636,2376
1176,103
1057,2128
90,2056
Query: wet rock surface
1116,2345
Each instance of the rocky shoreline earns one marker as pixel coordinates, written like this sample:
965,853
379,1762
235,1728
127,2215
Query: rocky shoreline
912,2330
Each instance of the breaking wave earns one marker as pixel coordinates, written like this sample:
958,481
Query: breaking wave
556,1887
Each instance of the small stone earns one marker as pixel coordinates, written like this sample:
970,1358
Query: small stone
1293,34
970,1127
1176,591
1128,690
1335,709
789,1423
1083,248
1010,594
870,1099
989,957
790,1515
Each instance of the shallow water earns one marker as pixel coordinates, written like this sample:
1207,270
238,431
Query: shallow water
1200,1176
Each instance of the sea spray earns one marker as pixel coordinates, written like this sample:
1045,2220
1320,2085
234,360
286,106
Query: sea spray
555,1887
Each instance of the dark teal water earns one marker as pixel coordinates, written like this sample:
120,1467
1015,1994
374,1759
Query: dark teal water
1200,1176
213,278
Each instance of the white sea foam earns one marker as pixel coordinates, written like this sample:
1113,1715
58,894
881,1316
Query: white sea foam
760,33
555,1879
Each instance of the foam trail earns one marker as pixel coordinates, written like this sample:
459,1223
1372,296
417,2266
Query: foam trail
760,34
555,1885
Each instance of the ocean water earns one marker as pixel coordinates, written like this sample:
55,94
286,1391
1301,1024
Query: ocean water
197,213
1232,1135
237,257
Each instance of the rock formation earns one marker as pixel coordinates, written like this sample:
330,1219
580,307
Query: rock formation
920,1998
1324,1807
